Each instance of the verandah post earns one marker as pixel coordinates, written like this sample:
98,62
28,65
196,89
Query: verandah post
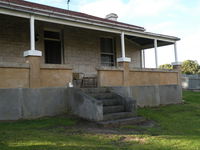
33,58
124,61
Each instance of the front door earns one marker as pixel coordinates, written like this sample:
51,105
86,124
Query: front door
52,44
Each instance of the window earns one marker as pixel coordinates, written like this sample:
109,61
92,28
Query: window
107,52
52,44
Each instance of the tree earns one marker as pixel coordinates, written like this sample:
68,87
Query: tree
190,67
166,66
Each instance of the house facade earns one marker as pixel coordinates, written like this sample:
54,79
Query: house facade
42,46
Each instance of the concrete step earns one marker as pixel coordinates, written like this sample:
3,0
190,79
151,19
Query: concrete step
119,122
119,115
103,95
111,102
113,109
95,90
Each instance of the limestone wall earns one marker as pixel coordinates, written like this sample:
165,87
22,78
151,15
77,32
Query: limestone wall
55,75
81,47
110,77
152,77
17,75
14,75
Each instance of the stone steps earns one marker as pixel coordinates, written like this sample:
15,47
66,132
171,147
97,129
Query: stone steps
113,109
114,112
96,90
105,95
111,102
117,115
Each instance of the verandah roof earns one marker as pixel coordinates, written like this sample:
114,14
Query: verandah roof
56,15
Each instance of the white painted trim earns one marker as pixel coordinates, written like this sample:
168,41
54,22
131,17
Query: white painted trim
156,54
175,52
32,32
123,59
123,45
176,63
143,58
32,53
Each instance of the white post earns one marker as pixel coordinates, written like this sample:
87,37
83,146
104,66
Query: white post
32,32
32,51
156,55
141,59
175,53
143,56
123,58
122,45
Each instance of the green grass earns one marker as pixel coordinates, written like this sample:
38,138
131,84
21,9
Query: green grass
177,128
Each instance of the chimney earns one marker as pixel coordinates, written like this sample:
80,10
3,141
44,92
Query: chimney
111,16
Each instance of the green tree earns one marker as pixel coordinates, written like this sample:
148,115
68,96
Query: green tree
166,66
190,67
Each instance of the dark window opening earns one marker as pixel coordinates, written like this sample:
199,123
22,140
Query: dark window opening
52,44
52,35
107,52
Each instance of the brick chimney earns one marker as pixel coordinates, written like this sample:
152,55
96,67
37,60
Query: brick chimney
111,16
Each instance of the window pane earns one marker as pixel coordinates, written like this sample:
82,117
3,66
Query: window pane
51,35
107,60
107,45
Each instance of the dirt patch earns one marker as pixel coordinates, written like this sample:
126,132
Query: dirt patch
134,139
84,126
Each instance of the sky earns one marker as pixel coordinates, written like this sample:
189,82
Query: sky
180,18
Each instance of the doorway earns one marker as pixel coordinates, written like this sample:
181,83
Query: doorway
53,48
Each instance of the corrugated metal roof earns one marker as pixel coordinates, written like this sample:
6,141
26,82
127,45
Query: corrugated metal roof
40,7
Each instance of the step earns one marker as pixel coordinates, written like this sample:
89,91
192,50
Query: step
119,122
103,95
113,109
119,115
111,102
95,90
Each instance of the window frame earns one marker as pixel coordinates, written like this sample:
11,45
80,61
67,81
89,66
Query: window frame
112,55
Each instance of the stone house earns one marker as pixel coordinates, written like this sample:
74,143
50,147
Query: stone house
42,46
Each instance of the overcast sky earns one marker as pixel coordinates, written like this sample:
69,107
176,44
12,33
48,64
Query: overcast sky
179,18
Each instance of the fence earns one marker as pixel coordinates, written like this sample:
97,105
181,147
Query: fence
191,82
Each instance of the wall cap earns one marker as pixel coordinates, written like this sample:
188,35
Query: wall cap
32,53
124,59
106,68
13,65
56,66
151,70
176,63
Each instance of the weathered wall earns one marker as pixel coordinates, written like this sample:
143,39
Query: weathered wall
24,103
112,77
14,75
14,38
154,95
132,51
17,75
136,77
81,47
32,103
55,75
152,77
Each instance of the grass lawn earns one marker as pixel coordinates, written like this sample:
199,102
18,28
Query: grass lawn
177,127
